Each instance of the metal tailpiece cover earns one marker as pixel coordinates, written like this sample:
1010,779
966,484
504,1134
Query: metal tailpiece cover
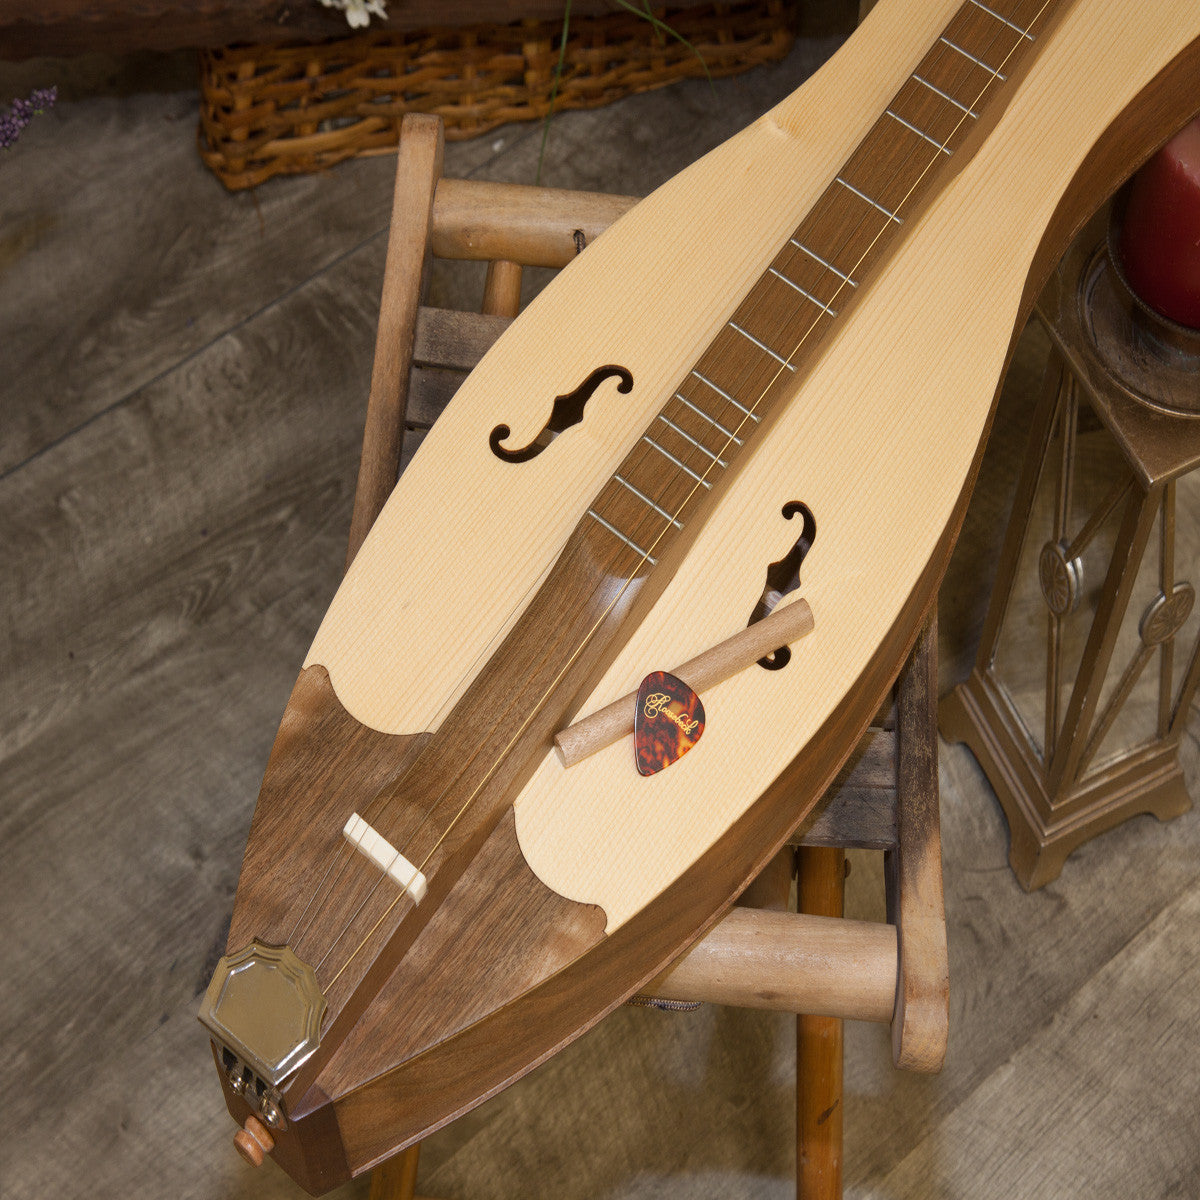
264,1006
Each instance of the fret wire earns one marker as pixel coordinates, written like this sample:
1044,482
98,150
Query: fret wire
712,421
645,555
919,132
761,345
827,266
991,12
892,216
807,295
662,512
682,466
687,437
945,96
721,392
873,203
977,61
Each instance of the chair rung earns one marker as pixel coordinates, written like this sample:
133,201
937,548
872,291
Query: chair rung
789,962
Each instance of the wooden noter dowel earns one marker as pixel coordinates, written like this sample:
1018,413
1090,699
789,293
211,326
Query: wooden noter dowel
786,624
789,962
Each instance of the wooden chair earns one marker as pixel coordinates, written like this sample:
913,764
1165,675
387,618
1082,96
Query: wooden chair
812,961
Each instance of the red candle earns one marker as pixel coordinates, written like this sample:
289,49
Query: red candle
1160,237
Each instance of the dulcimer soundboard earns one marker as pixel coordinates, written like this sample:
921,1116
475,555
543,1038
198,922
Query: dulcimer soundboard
791,349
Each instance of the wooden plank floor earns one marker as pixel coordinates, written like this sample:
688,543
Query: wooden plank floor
183,375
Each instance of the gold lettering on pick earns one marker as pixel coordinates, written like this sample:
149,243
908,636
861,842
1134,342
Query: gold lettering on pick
656,706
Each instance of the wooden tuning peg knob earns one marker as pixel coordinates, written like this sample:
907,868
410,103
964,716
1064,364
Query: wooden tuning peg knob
252,1141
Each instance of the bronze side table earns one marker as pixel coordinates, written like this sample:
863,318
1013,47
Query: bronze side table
1090,653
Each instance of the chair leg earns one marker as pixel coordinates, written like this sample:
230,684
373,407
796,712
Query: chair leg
502,289
821,874
772,889
913,871
396,1179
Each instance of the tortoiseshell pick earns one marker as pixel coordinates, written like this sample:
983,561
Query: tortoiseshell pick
668,722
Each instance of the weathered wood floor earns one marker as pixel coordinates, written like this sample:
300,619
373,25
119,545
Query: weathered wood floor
183,375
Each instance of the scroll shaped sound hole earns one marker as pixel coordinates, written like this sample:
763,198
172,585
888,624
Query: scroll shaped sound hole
784,577
567,411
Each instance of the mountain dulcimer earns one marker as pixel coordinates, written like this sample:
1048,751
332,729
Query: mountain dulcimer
811,319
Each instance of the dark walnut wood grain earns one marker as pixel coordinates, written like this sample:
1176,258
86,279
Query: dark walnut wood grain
500,924
287,850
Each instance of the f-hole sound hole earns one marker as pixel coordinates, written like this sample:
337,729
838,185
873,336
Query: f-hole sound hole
784,577
567,411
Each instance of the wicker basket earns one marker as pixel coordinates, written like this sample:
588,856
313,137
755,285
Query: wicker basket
268,110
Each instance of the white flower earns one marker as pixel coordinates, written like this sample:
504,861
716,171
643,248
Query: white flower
359,12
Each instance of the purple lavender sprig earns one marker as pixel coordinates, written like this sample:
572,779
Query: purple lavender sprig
21,112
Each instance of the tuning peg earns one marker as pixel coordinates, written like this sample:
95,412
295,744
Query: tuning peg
252,1141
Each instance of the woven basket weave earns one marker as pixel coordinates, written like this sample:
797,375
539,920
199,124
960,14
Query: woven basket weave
271,110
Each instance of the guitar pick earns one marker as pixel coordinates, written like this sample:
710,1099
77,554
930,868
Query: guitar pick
667,724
